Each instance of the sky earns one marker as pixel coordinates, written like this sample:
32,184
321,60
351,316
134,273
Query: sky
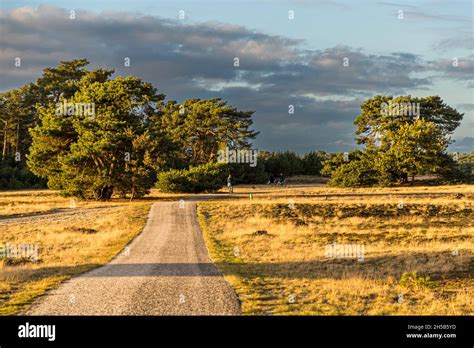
187,49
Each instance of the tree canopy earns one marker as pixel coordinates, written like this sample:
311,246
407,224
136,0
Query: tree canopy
91,135
402,137
202,127
373,122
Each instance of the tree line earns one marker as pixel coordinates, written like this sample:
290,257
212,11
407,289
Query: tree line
130,135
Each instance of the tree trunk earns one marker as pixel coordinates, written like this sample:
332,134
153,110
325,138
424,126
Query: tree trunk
133,189
5,137
105,193
108,193
17,145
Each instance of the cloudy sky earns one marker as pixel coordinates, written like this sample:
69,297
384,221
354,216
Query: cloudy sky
188,49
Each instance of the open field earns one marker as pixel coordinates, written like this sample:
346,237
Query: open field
273,247
70,240
271,244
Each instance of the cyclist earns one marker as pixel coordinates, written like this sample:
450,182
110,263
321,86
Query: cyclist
281,179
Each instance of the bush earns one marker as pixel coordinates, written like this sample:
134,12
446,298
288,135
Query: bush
414,281
461,171
355,173
204,178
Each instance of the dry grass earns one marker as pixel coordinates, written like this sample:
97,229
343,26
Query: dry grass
19,202
272,249
70,241
283,268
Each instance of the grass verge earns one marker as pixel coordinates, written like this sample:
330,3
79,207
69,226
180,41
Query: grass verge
418,256
70,241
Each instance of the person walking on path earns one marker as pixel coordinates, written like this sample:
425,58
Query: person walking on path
230,183
271,179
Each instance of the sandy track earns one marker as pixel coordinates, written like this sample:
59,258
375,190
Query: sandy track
54,215
166,270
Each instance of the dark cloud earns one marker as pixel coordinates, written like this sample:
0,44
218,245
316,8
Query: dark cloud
458,68
197,60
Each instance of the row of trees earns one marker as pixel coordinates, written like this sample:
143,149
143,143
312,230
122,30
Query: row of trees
211,176
131,135
268,163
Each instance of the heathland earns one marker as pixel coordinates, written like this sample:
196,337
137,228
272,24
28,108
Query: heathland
271,243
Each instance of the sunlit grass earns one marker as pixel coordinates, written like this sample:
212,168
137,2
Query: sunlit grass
70,240
284,269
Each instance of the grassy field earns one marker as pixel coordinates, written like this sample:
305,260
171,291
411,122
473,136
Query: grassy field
276,248
72,237
271,243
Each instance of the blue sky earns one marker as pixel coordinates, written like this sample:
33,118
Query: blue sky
282,61
344,21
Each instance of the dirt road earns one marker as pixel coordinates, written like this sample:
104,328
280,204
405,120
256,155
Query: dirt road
53,215
166,270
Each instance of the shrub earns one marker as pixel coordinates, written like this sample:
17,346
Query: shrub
353,174
461,171
357,171
414,281
203,178
334,161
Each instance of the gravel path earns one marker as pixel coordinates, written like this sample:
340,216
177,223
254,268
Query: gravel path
166,270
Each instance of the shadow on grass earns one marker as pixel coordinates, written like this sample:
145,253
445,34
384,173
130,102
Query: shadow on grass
34,213
374,268
358,195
